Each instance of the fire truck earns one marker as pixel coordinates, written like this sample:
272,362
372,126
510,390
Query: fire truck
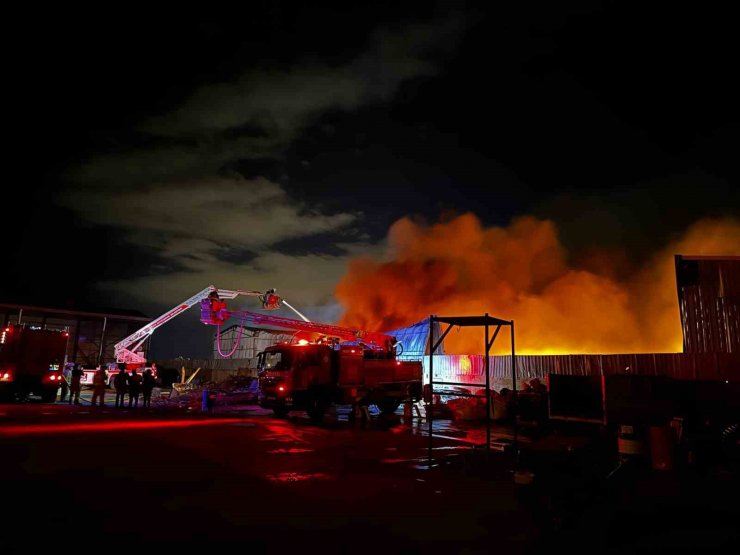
31,362
314,376
327,365
324,365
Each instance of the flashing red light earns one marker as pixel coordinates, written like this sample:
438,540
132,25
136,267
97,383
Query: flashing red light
352,351
281,388
6,375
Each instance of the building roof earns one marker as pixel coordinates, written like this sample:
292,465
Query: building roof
110,313
472,320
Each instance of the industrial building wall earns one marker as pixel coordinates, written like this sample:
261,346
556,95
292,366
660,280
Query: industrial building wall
249,342
89,337
709,303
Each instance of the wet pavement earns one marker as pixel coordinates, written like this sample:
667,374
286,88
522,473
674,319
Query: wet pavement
238,477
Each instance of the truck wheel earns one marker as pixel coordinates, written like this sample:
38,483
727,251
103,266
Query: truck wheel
388,405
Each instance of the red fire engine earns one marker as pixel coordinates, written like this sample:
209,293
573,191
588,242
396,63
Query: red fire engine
328,365
31,362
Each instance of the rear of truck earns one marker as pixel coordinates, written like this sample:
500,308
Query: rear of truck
31,362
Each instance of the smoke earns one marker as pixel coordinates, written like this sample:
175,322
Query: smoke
523,273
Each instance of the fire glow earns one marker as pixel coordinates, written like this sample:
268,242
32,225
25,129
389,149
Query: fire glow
523,273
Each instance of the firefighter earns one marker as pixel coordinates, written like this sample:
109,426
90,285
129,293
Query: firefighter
99,382
134,388
75,386
217,307
120,382
65,382
270,300
147,386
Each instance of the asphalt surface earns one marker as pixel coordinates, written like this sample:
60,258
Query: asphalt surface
176,477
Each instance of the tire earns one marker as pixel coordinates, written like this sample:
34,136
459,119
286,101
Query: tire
389,405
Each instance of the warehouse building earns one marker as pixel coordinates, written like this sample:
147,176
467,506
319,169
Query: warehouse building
92,333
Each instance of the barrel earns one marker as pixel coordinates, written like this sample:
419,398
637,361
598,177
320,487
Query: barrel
631,442
662,447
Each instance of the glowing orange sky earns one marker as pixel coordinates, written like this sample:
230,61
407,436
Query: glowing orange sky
522,272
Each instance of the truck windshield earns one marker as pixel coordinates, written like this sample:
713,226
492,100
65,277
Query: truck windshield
276,360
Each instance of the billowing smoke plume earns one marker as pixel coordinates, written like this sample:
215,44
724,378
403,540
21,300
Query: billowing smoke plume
522,273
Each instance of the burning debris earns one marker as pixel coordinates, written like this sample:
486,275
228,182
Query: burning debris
234,390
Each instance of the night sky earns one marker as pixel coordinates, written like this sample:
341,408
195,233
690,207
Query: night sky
153,154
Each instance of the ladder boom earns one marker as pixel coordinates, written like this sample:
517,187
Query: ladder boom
125,350
376,340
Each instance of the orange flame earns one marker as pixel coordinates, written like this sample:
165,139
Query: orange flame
522,273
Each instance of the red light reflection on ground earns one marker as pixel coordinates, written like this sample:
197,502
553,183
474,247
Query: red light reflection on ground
288,477
289,451
37,429
285,433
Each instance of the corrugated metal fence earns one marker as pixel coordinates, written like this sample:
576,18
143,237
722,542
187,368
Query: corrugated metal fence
709,303
684,366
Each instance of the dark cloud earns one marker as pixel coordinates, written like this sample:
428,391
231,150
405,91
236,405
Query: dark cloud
169,189
251,214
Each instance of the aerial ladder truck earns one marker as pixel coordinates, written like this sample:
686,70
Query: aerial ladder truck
326,365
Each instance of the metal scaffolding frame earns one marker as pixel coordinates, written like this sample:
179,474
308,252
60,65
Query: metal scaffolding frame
487,322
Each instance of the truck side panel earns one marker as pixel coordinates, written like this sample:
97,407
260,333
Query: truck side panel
351,369
390,371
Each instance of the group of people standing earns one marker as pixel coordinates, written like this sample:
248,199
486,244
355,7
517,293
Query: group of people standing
131,383
134,384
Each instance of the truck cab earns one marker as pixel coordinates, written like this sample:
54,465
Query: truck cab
289,374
